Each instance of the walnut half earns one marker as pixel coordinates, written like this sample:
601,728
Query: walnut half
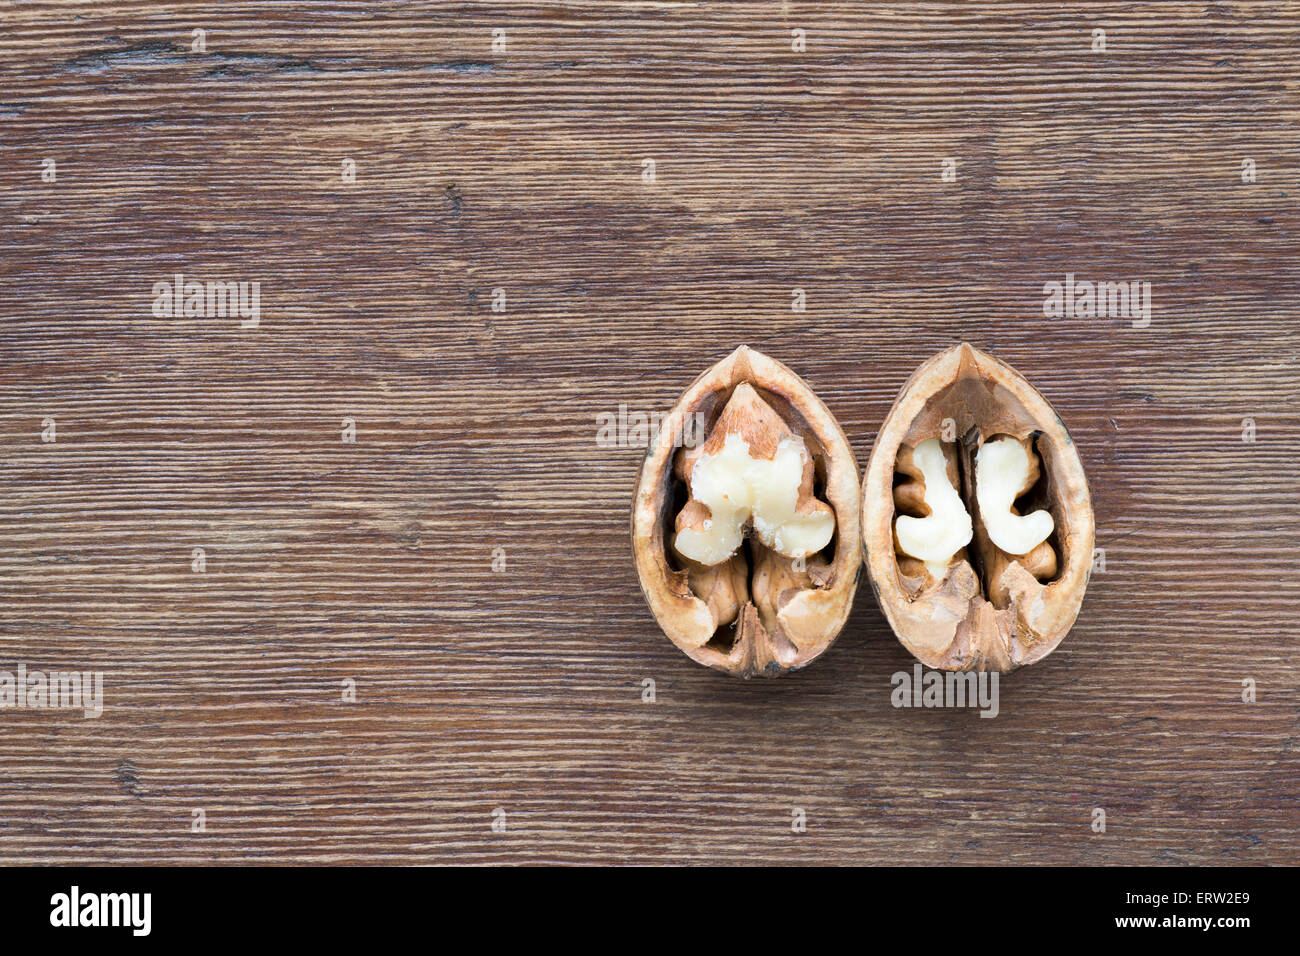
746,545
977,525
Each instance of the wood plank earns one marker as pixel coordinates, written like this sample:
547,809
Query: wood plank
521,689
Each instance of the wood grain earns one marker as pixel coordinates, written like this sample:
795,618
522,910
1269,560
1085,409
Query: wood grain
521,170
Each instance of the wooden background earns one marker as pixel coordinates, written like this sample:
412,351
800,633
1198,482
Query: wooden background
521,689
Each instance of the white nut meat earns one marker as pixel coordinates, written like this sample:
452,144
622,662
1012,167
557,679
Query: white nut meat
947,529
739,489
1001,475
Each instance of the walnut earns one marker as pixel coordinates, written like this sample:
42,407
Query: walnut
977,525
747,544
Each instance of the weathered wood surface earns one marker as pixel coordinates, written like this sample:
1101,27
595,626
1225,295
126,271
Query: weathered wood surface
521,170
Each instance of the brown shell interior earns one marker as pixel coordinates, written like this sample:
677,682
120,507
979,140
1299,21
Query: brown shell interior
676,492
990,610
979,411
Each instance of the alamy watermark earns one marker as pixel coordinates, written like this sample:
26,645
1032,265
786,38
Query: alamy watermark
178,297
636,429
946,689
130,910
1083,299
55,690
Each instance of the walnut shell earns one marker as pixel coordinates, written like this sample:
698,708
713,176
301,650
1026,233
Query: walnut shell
990,610
759,612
